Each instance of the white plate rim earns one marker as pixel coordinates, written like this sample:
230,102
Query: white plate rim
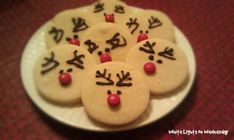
179,36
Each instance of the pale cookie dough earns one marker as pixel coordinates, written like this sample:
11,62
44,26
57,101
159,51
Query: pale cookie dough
68,26
107,38
163,64
59,72
135,9
114,93
109,11
150,23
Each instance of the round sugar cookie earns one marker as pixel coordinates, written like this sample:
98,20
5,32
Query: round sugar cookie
114,93
109,11
68,26
163,64
59,72
107,41
149,24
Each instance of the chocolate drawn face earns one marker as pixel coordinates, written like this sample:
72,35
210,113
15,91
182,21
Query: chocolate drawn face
107,42
140,28
149,24
115,88
64,78
109,11
66,26
124,80
59,71
148,48
160,61
116,41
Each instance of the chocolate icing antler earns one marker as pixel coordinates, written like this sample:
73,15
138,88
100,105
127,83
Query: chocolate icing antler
91,45
115,41
79,24
123,77
104,76
98,7
168,53
119,9
154,22
58,34
49,61
148,48
132,22
76,61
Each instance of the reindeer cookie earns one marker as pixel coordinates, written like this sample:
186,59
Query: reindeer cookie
107,41
114,93
59,72
109,11
67,27
144,24
163,64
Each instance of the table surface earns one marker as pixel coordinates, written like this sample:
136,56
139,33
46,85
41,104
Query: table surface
208,24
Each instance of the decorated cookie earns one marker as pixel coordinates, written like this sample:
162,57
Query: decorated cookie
107,42
59,72
144,24
114,93
163,64
109,10
67,27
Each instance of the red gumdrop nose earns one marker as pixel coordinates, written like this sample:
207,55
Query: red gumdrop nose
74,42
149,68
105,58
113,100
142,37
109,17
65,79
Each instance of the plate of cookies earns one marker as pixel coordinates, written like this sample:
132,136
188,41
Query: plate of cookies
108,66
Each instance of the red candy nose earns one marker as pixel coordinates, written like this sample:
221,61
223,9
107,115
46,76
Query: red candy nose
113,99
142,37
149,68
109,17
65,79
74,42
105,58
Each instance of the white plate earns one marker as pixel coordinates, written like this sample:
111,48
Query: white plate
75,116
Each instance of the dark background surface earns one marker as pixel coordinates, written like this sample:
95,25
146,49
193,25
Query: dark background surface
208,24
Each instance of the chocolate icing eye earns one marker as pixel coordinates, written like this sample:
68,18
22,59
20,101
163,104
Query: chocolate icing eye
151,57
108,92
141,31
99,53
159,61
68,38
118,92
107,50
69,70
61,71
75,36
147,32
